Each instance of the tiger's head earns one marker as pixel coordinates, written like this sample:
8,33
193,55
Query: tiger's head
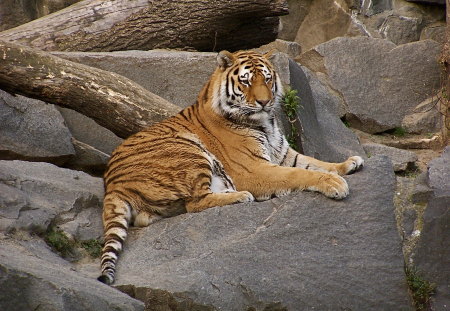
249,89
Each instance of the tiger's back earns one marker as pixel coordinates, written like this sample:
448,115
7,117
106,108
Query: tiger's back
226,148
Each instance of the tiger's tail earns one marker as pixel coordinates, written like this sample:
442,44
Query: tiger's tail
116,219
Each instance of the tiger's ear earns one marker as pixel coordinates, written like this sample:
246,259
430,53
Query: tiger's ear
225,59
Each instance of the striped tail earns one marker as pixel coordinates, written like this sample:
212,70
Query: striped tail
116,217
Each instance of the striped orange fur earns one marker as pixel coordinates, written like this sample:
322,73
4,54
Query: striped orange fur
226,148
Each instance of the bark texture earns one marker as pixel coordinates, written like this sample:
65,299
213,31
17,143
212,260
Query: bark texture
111,25
113,101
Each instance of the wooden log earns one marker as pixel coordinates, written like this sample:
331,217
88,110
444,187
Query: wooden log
113,101
111,25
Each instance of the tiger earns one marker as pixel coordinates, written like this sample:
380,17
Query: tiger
226,148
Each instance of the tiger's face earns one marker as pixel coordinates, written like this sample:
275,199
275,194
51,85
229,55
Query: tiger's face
249,89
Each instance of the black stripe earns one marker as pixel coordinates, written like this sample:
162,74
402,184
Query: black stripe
115,224
110,249
295,161
113,236
284,157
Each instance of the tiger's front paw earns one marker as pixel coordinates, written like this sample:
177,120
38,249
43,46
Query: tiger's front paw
332,185
244,196
351,165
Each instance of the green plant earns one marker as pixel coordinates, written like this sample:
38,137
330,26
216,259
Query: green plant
291,102
59,241
399,131
421,289
92,247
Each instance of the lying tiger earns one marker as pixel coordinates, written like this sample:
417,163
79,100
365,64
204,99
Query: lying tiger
226,148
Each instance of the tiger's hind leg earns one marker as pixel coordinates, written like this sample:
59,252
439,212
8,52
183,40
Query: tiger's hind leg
211,199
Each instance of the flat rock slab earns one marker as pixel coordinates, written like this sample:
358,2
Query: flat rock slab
35,195
38,280
298,252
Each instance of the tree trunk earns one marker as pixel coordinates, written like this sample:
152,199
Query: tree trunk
113,101
111,25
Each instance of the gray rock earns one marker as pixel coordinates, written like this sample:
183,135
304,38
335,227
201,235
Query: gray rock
371,74
88,159
162,72
434,31
35,195
369,8
87,131
93,143
324,136
326,19
401,159
292,49
32,130
298,252
39,280
402,29
289,24
439,174
432,255
425,118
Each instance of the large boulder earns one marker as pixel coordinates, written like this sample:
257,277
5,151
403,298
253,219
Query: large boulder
37,195
381,83
432,255
34,278
298,252
32,130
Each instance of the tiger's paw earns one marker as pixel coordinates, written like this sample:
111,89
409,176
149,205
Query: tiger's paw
351,165
244,196
332,186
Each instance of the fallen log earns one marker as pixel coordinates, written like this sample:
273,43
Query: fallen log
112,25
112,100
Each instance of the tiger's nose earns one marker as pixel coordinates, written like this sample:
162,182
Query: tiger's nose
263,102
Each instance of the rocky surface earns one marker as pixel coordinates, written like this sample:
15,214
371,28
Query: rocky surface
371,78
303,252
24,135
323,136
425,118
401,159
162,72
93,143
36,196
34,278
432,255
